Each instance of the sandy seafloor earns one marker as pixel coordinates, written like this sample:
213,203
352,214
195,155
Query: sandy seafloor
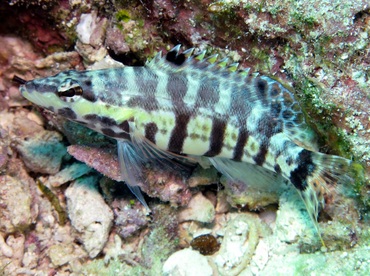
62,214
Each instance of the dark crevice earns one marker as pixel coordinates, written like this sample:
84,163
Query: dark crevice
130,59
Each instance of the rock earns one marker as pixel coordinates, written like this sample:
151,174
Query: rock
260,190
30,260
89,214
163,184
116,41
5,249
222,205
61,254
91,34
167,185
91,29
16,243
104,160
25,127
43,152
202,176
199,209
161,240
15,205
241,235
129,217
69,173
291,223
3,151
187,262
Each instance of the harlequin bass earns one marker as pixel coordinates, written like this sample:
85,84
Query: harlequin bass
188,105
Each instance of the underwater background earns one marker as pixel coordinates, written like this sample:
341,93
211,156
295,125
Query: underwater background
62,212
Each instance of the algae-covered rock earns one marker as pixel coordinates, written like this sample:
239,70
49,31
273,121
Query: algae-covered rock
69,173
63,253
162,240
43,152
129,217
202,176
15,202
89,214
292,221
255,194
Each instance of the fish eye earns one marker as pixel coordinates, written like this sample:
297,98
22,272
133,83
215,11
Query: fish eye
69,90
74,91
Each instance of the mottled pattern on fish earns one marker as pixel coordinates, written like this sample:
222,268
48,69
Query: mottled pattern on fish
189,105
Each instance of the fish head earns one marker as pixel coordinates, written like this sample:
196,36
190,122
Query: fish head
59,93
85,97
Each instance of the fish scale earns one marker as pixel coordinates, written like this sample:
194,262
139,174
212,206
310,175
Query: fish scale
184,105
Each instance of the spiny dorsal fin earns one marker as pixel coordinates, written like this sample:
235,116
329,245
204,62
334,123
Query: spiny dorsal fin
268,92
212,59
179,61
233,67
189,52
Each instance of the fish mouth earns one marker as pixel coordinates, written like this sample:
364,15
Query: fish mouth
30,92
42,95
26,90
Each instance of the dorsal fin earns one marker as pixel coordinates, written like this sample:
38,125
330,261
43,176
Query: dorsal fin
269,93
179,61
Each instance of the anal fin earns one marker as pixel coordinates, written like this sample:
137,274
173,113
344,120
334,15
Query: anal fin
250,174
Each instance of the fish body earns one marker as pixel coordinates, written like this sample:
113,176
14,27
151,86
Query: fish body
185,105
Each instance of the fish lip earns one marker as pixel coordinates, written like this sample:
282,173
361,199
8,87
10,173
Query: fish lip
28,87
23,90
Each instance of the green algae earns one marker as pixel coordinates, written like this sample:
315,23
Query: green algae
54,200
301,20
123,15
361,186
130,20
263,56
225,22
321,114
162,240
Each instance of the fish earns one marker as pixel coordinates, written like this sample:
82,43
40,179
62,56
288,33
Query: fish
249,126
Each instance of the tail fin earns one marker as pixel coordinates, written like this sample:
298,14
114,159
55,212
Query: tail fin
328,171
